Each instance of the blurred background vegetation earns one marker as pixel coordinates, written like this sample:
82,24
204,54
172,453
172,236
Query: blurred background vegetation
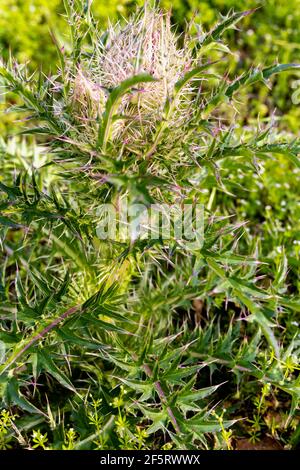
271,34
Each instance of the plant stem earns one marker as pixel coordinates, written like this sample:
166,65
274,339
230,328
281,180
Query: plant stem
163,398
40,335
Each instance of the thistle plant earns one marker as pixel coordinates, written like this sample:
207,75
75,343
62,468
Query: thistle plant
146,47
160,333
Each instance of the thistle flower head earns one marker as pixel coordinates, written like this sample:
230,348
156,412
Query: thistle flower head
88,99
146,44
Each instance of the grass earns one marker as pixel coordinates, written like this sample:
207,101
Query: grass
139,343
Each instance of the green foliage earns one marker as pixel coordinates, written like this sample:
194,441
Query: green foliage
142,343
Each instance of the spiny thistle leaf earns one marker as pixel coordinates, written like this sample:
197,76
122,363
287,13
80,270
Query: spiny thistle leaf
112,105
228,22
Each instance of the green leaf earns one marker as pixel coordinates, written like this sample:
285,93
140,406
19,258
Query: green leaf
180,373
225,93
159,418
113,103
201,426
186,397
107,326
6,222
69,337
228,22
51,368
190,75
139,386
15,396
12,192
266,327
253,76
